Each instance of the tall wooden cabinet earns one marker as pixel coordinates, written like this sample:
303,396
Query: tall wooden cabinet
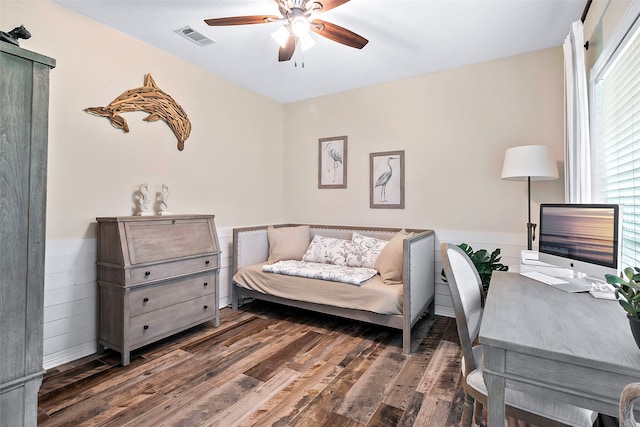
24,106
157,275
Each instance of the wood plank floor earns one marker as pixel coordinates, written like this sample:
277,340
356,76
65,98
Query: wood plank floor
267,365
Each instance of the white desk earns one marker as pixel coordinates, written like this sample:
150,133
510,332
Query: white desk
569,347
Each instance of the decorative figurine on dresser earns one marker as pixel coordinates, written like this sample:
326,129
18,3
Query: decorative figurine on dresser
157,275
24,123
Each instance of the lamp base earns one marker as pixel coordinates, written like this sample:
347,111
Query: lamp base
531,235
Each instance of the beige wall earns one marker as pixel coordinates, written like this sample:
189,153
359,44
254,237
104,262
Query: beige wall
454,127
232,162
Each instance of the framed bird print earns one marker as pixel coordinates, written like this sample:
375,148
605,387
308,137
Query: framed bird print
332,162
386,180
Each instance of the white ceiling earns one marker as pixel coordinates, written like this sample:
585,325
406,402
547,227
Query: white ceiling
406,38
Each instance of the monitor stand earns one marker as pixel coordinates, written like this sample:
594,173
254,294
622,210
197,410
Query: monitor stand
578,276
578,282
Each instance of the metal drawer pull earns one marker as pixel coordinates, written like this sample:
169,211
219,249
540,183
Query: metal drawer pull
206,306
207,262
145,300
145,327
206,284
147,273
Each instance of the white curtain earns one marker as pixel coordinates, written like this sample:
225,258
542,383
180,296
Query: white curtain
577,145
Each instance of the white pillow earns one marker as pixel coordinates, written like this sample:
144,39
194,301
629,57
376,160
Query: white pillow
364,250
327,250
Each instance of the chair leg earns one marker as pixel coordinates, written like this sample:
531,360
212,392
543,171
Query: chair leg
477,412
467,411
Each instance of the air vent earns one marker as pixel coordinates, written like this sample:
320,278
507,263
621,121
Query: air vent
195,36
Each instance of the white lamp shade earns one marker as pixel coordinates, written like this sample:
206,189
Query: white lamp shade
281,35
529,161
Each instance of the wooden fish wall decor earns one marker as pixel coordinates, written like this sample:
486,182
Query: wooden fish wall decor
151,99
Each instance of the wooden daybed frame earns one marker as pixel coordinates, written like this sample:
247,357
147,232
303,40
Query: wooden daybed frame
250,246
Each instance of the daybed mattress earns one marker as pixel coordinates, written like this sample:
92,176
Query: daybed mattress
372,296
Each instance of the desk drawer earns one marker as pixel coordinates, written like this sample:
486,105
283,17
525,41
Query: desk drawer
148,326
174,238
144,299
173,269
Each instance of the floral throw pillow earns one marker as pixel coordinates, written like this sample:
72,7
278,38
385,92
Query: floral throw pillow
364,250
327,250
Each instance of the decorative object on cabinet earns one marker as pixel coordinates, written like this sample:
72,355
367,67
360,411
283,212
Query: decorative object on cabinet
14,35
24,90
164,196
386,180
148,98
156,276
332,162
144,201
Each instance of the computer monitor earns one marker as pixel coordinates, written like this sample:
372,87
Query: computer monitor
582,237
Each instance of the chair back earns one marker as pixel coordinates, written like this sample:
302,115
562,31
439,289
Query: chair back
466,295
629,395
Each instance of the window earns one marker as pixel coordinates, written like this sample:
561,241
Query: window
615,117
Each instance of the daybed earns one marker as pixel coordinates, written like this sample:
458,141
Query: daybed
383,300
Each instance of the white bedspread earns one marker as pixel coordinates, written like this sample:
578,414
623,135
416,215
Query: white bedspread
313,270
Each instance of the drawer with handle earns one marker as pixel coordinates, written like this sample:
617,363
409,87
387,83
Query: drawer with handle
148,326
144,299
155,272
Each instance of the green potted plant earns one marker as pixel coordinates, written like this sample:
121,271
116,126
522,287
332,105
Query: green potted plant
484,262
627,291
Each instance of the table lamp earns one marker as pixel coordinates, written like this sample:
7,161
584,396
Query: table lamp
530,163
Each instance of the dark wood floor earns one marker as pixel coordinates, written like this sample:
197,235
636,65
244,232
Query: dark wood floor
267,365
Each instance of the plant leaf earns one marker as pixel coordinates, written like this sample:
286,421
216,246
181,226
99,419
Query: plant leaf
629,273
628,307
613,279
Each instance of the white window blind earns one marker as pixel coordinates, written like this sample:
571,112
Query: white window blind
616,113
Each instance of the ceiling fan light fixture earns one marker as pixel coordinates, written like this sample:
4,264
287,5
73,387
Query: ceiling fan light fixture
281,35
299,18
300,26
306,42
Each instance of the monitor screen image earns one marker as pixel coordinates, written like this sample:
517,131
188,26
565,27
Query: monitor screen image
586,233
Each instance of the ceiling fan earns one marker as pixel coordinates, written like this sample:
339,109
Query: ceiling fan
297,16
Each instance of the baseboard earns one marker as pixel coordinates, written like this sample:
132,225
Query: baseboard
69,355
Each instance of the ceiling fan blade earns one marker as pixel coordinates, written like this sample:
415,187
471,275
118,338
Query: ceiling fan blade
338,34
329,4
285,53
242,20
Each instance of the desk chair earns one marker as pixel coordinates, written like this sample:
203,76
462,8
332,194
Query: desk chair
627,398
466,295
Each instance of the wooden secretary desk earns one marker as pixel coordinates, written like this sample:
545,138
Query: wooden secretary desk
157,275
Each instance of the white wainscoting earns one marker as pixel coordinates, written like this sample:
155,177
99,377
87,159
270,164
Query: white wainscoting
70,304
69,301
